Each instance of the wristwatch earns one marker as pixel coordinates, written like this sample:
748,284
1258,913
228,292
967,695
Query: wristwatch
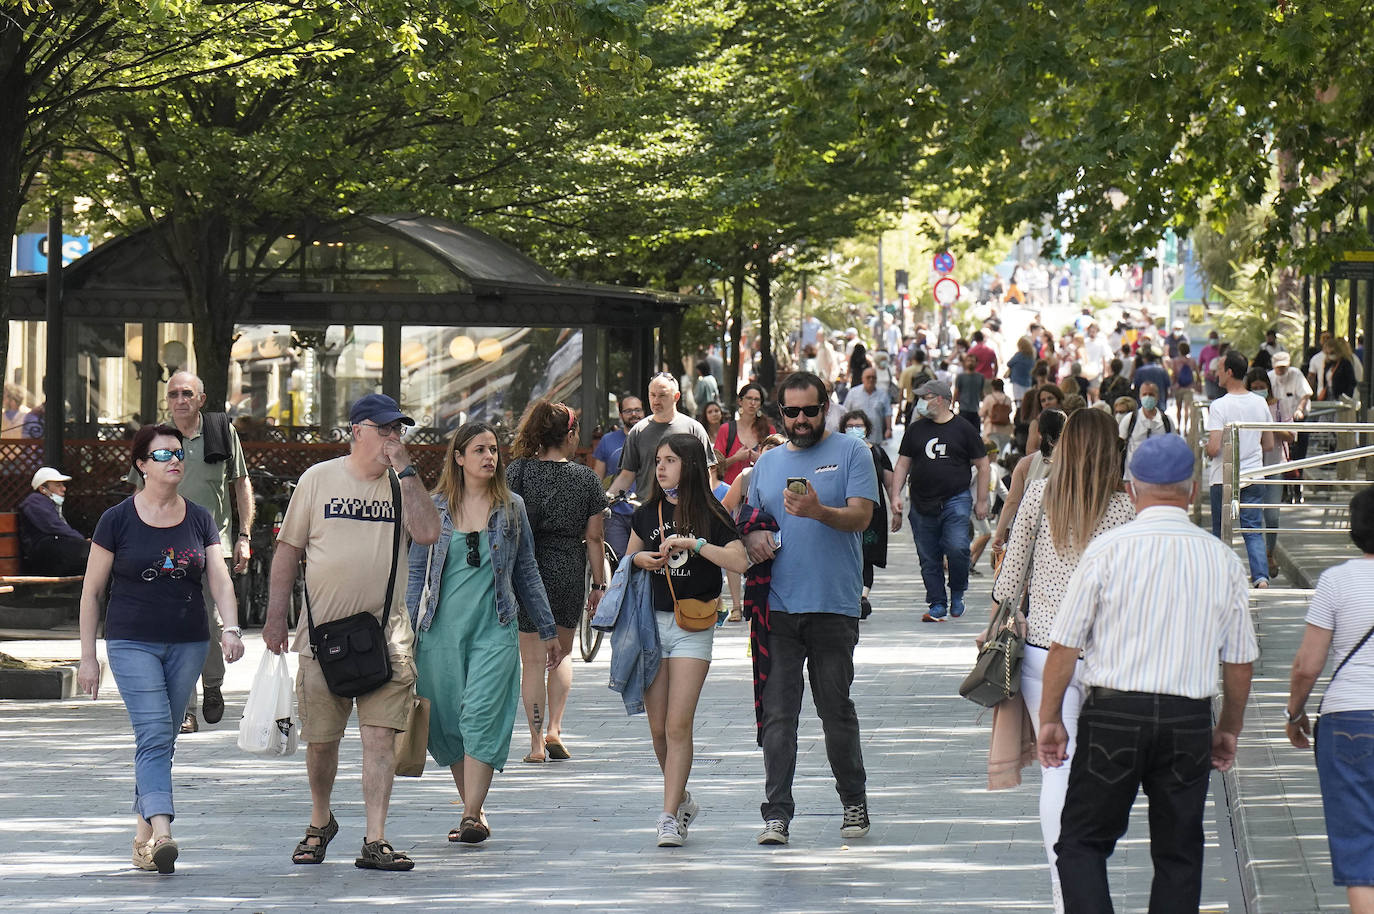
233,630
599,586
701,544
408,471
1294,718
245,536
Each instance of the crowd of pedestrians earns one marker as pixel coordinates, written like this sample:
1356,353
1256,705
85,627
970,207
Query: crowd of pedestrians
1081,463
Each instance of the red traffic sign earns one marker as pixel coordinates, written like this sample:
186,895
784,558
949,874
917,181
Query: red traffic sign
943,263
947,290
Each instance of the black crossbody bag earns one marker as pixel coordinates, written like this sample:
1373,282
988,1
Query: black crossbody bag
352,652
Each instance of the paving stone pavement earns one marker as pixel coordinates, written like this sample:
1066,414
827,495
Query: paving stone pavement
576,834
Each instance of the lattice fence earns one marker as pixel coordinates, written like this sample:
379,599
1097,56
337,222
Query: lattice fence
98,469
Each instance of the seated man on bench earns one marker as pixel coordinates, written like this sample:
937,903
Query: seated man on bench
48,544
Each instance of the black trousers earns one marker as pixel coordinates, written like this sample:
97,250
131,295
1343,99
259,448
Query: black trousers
1125,741
58,556
824,644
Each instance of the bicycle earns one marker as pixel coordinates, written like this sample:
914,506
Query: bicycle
588,638
253,585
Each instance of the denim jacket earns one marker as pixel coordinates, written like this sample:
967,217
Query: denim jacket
512,559
627,611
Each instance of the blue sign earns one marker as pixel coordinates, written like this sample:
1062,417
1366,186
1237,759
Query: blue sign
31,251
943,263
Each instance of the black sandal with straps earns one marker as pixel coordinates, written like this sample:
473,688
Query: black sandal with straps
314,853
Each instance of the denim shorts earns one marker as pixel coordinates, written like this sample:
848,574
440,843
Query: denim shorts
1345,768
674,642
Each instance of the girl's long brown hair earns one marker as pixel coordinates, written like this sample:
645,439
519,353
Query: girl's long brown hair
1084,475
451,481
696,504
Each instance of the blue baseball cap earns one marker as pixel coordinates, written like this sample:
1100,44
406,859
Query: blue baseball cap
378,408
1162,460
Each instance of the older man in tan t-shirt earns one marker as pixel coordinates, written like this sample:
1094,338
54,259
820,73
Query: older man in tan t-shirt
341,520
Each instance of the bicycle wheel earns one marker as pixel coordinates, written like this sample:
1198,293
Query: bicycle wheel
588,638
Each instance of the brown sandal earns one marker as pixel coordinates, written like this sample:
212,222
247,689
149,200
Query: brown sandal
306,852
379,855
470,831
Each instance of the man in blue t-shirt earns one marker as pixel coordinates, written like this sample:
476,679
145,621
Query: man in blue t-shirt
939,453
606,463
813,601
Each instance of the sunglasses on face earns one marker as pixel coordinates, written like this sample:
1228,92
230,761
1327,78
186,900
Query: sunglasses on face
392,430
793,412
163,454
474,557
181,395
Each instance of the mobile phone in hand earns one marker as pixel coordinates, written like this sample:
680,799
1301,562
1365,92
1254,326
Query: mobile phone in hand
797,484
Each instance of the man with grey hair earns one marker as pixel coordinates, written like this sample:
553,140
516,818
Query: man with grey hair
342,520
213,466
1149,648
641,444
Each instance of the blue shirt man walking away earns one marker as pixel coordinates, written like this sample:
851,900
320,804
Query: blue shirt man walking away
1150,647
821,489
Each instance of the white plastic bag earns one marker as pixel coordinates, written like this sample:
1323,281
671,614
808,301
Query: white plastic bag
269,726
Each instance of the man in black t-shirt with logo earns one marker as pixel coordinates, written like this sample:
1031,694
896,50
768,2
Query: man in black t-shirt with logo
938,454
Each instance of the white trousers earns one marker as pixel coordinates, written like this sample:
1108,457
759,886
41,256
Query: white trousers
1054,782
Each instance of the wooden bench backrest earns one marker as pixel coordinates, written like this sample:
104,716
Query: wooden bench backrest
9,543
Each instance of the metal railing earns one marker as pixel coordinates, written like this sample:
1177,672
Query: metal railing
1335,519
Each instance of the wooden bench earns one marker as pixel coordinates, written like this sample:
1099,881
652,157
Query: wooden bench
10,577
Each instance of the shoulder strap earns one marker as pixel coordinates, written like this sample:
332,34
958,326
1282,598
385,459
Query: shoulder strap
391,576
1008,607
1130,429
732,432
662,535
1340,666
1168,423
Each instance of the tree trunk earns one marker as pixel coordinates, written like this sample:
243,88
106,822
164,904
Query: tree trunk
200,247
734,365
767,367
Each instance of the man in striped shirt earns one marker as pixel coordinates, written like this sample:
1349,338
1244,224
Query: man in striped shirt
1150,646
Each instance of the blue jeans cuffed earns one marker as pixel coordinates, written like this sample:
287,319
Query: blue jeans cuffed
154,679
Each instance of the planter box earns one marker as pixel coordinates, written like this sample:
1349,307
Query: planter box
54,682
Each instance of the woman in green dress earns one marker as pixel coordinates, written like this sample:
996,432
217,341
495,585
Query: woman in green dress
462,596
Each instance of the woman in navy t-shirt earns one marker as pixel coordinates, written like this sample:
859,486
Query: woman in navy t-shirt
153,549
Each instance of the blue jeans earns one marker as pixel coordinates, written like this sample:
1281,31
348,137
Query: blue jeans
1249,517
943,537
1345,769
155,680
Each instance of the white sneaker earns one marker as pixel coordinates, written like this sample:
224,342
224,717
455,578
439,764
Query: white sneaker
668,834
686,812
774,832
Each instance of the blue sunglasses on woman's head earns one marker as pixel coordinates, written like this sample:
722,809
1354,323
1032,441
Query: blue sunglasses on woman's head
163,454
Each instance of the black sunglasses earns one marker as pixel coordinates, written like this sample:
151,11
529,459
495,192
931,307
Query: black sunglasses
793,412
163,455
474,557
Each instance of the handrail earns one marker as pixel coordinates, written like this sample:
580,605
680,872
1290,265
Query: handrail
1234,478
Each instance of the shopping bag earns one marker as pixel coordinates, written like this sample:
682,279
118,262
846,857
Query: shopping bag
412,744
269,726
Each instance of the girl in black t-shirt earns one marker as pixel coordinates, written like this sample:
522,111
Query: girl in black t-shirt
684,531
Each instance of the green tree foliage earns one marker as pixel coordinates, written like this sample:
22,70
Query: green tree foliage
380,107
1112,122
61,61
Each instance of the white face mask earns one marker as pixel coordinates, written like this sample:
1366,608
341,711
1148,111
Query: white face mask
856,432
57,499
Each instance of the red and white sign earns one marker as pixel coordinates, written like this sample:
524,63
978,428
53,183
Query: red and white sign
947,290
